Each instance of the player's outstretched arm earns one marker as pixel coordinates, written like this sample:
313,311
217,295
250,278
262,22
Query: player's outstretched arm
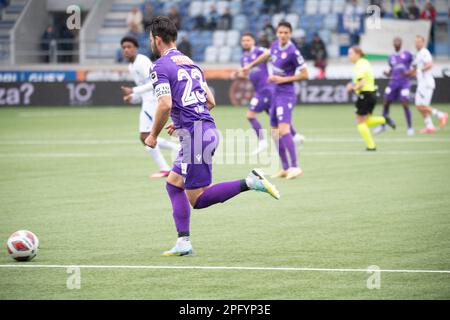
263,57
299,76
161,116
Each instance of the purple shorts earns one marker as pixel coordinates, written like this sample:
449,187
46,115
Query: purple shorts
281,108
397,91
261,101
194,160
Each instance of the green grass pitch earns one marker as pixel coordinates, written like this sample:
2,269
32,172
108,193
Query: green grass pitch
77,177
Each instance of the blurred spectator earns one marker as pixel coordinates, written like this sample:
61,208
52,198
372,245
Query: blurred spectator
135,20
66,45
270,6
175,17
284,6
212,18
199,22
413,10
149,14
303,47
379,3
48,44
429,13
226,20
399,10
3,4
353,19
319,54
263,41
269,30
185,46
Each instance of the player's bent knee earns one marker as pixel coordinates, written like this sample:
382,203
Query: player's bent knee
194,198
175,179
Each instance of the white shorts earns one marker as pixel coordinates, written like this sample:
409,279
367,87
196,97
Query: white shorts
145,121
424,96
147,113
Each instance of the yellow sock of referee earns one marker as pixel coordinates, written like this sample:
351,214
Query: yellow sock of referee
375,121
364,130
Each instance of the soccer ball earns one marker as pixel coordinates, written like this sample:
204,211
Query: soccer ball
23,245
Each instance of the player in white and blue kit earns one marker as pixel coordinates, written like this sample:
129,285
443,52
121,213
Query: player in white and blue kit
143,93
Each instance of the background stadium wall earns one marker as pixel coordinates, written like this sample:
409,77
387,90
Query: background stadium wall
226,92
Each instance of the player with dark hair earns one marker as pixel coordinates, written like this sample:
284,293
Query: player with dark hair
139,67
288,66
399,86
262,99
184,95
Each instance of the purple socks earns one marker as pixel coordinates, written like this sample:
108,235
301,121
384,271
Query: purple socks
288,142
282,153
408,117
220,192
257,127
181,209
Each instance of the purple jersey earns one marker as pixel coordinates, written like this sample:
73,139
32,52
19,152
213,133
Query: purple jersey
175,75
400,62
259,74
285,62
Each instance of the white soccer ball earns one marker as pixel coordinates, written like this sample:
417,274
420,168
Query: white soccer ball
23,245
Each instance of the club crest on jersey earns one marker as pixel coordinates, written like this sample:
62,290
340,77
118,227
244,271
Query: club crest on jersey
153,77
283,55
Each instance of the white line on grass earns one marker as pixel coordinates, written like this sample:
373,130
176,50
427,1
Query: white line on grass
53,266
220,154
134,141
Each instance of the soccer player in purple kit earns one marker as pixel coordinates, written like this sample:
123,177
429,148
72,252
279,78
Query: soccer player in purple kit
183,94
262,98
399,87
288,66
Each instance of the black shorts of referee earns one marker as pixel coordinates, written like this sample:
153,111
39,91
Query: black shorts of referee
366,102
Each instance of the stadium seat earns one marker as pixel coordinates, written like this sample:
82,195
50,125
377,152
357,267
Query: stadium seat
298,33
240,22
333,51
235,7
325,35
211,54
331,21
222,6
195,8
305,22
233,38
317,22
236,54
339,5
325,7
224,54
311,7
207,7
219,38
293,19
277,18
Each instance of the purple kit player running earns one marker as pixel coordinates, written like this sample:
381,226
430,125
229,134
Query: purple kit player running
263,90
183,94
398,88
288,66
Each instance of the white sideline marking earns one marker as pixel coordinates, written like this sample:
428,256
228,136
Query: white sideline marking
53,266
221,154
135,141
